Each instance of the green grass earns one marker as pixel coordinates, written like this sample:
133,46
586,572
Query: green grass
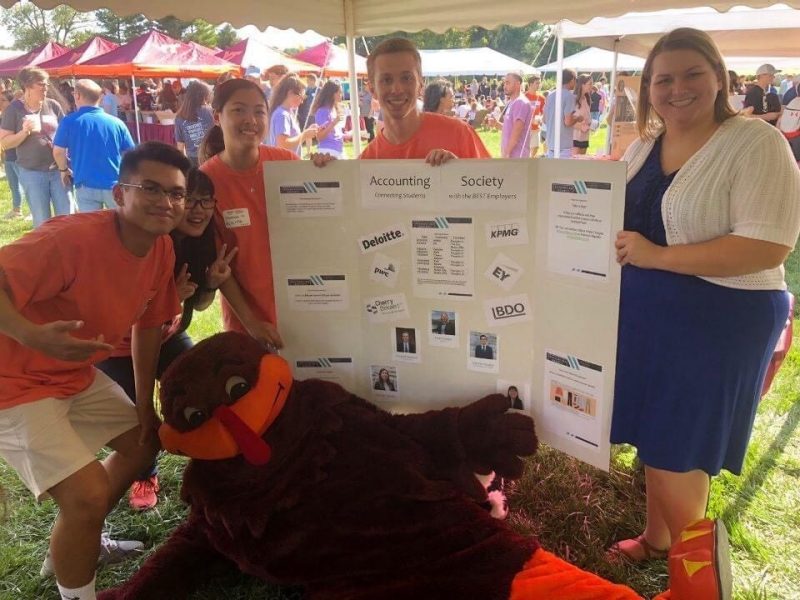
491,139
575,510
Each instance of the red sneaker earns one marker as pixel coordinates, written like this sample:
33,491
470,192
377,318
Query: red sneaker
143,493
699,563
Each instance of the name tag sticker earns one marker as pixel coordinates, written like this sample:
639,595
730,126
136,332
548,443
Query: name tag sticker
236,217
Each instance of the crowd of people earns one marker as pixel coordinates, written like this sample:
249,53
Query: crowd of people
703,296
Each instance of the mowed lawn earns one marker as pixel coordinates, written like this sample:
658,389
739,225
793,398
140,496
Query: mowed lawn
575,510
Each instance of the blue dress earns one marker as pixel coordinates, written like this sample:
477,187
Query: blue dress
691,356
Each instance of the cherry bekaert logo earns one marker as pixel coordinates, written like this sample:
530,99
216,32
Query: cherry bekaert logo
381,238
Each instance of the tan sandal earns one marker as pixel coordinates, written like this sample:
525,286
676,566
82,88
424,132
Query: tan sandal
640,550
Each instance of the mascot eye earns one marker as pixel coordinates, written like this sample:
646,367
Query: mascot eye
236,387
194,416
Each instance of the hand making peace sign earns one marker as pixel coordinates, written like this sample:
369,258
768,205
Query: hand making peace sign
219,271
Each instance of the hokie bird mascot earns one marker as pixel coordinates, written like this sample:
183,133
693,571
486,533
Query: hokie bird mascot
303,483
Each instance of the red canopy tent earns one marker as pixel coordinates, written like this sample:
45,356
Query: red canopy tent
332,59
251,52
154,54
45,52
203,49
63,66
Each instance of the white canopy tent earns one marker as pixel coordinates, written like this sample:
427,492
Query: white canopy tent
472,62
375,17
596,60
353,18
740,32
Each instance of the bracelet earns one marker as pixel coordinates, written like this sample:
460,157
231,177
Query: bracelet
64,170
207,290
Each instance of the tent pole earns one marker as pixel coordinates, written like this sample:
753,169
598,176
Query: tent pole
611,92
135,109
559,93
349,28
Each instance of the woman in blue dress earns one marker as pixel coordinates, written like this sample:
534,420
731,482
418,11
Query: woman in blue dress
711,214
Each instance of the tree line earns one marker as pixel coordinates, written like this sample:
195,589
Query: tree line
31,26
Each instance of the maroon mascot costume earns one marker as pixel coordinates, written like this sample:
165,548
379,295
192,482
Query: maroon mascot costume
303,483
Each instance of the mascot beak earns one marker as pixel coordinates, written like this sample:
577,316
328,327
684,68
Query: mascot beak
237,429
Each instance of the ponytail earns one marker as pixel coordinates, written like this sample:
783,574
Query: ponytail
213,143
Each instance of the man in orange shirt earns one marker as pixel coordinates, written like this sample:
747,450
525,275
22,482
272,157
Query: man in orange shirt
394,73
69,292
537,104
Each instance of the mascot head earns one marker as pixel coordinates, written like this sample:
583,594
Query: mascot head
220,398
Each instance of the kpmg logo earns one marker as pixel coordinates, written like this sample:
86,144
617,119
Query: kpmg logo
503,232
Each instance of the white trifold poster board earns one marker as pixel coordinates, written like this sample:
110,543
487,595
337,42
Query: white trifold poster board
421,287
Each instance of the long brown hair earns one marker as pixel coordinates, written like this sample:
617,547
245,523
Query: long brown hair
197,94
326,97
213,143
648,122
290,82
580,96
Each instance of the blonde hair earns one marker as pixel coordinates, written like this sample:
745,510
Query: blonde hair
648,123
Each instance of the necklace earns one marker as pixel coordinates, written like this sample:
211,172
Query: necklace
29,107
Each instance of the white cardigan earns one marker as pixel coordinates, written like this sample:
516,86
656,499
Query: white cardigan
743,181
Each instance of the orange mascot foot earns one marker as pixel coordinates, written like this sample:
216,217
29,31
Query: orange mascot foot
699,563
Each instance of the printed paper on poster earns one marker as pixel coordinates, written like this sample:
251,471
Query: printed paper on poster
311,199
338,369
443,257
508,232
573,392
484,185
318,292
504,271
579,236
406,186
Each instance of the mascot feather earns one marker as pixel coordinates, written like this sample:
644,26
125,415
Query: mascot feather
302,483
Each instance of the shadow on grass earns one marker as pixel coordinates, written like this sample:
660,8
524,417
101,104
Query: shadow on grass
757,475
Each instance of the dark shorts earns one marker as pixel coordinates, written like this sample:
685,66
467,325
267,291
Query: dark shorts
578,144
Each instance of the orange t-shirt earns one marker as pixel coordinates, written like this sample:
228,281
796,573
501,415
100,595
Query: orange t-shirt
75,267
537,104
436,132
241,221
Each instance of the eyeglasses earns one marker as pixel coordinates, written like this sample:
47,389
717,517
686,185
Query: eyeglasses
207,202
154,192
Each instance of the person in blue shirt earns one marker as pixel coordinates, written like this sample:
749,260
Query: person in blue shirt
92,142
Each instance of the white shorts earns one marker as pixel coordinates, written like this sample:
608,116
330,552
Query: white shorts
535,139
47,440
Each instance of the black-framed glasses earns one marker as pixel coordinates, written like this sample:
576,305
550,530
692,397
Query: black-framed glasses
154,192
207,202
